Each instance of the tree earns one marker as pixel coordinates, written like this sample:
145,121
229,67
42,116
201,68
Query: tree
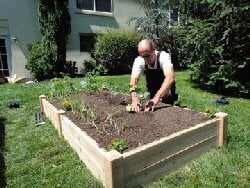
215,45
155,24
54,24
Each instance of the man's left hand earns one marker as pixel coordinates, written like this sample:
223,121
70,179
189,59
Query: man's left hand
150,105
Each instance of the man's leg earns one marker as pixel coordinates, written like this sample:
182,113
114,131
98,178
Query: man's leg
172,97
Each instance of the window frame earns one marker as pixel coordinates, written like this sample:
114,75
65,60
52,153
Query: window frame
2,68
95,12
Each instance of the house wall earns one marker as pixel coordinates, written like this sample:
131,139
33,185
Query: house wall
19,19
82,22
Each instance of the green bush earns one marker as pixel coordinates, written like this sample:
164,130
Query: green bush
48,58
38,63
217,49
116,51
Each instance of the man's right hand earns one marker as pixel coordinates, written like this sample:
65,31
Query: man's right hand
136,104
136,107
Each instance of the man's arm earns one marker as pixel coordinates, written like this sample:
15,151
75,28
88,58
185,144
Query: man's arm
134,80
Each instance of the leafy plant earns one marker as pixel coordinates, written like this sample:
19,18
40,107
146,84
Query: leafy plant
61,88
67,104
209,112
155,24
129,108
118,124
48,57
215,46
119,145
116,50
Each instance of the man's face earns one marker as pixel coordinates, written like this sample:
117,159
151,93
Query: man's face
147,55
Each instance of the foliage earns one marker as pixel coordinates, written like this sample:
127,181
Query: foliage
116,50
67,104
155,24
215,46
38,62
61,87
119,145
92,67
48,58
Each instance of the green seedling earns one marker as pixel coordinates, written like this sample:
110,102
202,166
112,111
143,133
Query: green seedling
209,112
129,108
119,145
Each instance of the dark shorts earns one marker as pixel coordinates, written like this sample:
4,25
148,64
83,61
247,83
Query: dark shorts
169,99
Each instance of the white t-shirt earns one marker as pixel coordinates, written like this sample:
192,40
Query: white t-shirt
139,63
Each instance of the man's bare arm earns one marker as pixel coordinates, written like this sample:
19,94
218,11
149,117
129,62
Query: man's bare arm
134,80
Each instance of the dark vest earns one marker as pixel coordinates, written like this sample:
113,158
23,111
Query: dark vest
155,78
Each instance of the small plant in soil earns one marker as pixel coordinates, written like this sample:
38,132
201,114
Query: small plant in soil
129,108
209,113
118,144
60,88
118,124
67,105
92,116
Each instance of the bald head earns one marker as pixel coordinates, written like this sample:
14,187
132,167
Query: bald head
145,45
146,49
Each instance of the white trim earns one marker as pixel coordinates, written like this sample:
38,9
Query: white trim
91,12
94,12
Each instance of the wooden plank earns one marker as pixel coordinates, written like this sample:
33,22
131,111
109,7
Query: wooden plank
161,149
223,128
94,166
114,170
59,116
42,97
169,164
53,114
90,145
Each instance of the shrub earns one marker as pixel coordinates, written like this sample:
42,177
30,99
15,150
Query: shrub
116,51
216,49
38,63
48,58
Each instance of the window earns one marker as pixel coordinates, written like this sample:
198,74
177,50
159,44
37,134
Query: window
87,42
95,5
4,70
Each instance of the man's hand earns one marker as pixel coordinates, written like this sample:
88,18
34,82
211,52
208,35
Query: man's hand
136,106
150,105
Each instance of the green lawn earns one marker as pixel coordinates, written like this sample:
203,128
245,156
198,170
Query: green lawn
32,156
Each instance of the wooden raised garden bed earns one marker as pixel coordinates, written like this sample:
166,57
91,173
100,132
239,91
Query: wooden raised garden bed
145,163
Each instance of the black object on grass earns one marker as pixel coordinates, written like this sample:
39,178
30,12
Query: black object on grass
14,104
40,118
222,100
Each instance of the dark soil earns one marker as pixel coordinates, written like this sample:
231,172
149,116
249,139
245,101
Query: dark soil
136,128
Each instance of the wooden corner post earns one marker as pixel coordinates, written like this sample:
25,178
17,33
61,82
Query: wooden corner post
114,170
59,113
222,129
41,102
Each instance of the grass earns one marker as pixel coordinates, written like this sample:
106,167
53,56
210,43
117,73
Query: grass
32,156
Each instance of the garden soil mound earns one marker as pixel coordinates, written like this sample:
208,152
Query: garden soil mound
112,121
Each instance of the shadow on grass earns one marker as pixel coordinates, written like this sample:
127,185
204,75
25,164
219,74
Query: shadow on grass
3,182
